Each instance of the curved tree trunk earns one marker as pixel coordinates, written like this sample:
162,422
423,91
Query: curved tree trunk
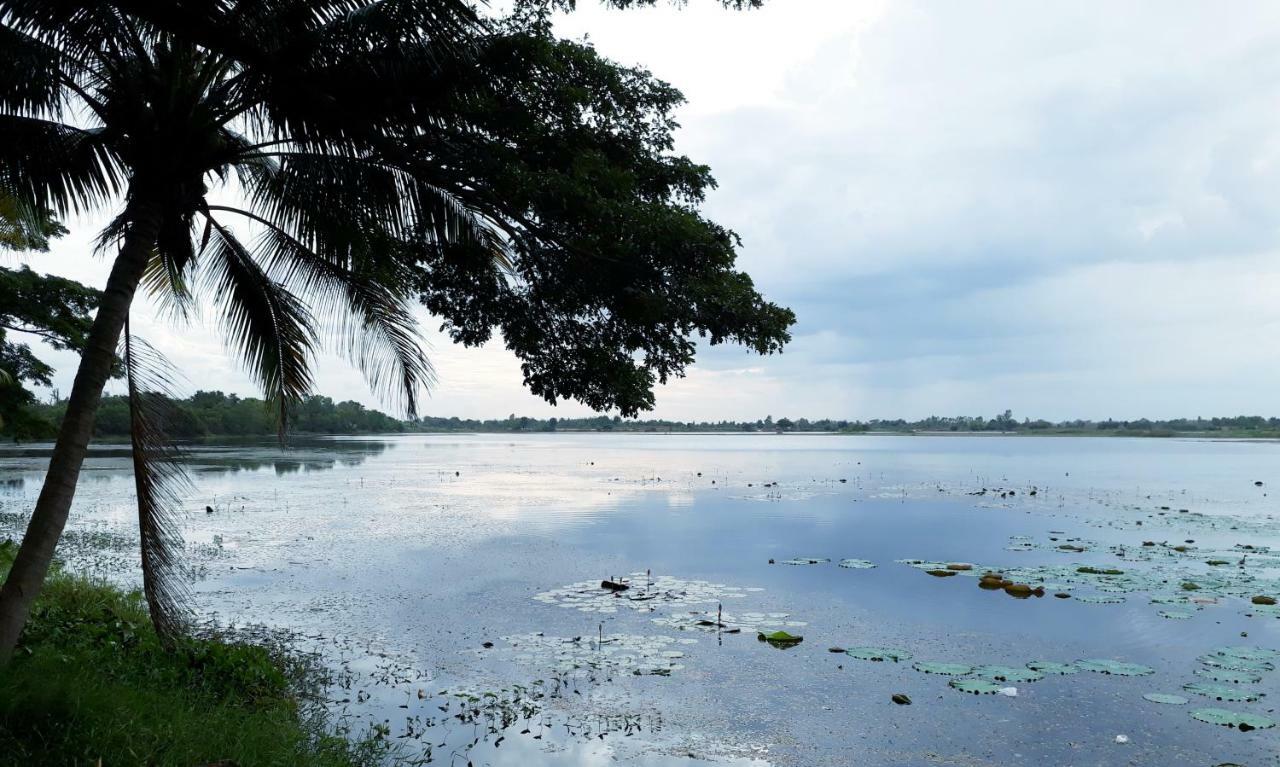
50,516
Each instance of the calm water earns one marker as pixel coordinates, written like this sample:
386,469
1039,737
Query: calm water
398,558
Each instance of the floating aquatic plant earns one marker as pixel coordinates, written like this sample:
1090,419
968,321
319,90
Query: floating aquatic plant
1248,653
805,561
1239,719
1114,667
780,639
1166,698
878,654
611,653
1008,673
1230,676
1236,664
945,669
646,593
975,685
1052,667
1221,692
856,564
1100,600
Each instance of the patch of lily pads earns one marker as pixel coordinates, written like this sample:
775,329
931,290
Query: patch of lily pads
804,561
611,653
642,593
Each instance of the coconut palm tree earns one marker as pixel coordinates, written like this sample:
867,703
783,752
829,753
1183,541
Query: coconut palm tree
197,147
379,152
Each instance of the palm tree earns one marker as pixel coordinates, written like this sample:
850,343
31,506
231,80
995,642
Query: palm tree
197,145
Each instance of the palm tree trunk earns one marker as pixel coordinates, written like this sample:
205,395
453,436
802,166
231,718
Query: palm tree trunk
50,516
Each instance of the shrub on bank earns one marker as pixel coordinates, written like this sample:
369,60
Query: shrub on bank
91,684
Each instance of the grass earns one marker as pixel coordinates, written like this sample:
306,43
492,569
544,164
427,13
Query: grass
91,684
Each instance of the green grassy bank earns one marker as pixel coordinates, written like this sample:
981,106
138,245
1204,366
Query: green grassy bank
92,685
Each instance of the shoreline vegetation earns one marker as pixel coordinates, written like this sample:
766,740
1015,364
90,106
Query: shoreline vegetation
213,414
92,683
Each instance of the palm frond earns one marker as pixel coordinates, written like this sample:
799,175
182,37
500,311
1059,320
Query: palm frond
273,330
373,323
161,482
50,165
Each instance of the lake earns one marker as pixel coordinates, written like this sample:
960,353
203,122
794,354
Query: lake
454,583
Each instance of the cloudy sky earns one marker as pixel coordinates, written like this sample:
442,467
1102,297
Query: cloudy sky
1070,209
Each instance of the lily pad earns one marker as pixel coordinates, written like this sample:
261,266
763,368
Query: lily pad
805,561
857,564
1008,673
1245,721
1221,692
1248,653
975,685
878,654
1114,667
780,639
1053,667
1166,698
1230,676
1100,600
945,669
1236,664
1176,615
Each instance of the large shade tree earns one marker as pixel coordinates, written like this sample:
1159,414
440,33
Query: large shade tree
377,154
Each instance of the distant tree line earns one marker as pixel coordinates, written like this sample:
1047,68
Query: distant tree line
1003,422
215,414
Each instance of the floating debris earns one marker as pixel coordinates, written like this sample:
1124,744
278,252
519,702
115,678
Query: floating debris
900,699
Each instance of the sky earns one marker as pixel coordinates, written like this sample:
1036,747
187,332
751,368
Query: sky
1067,209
